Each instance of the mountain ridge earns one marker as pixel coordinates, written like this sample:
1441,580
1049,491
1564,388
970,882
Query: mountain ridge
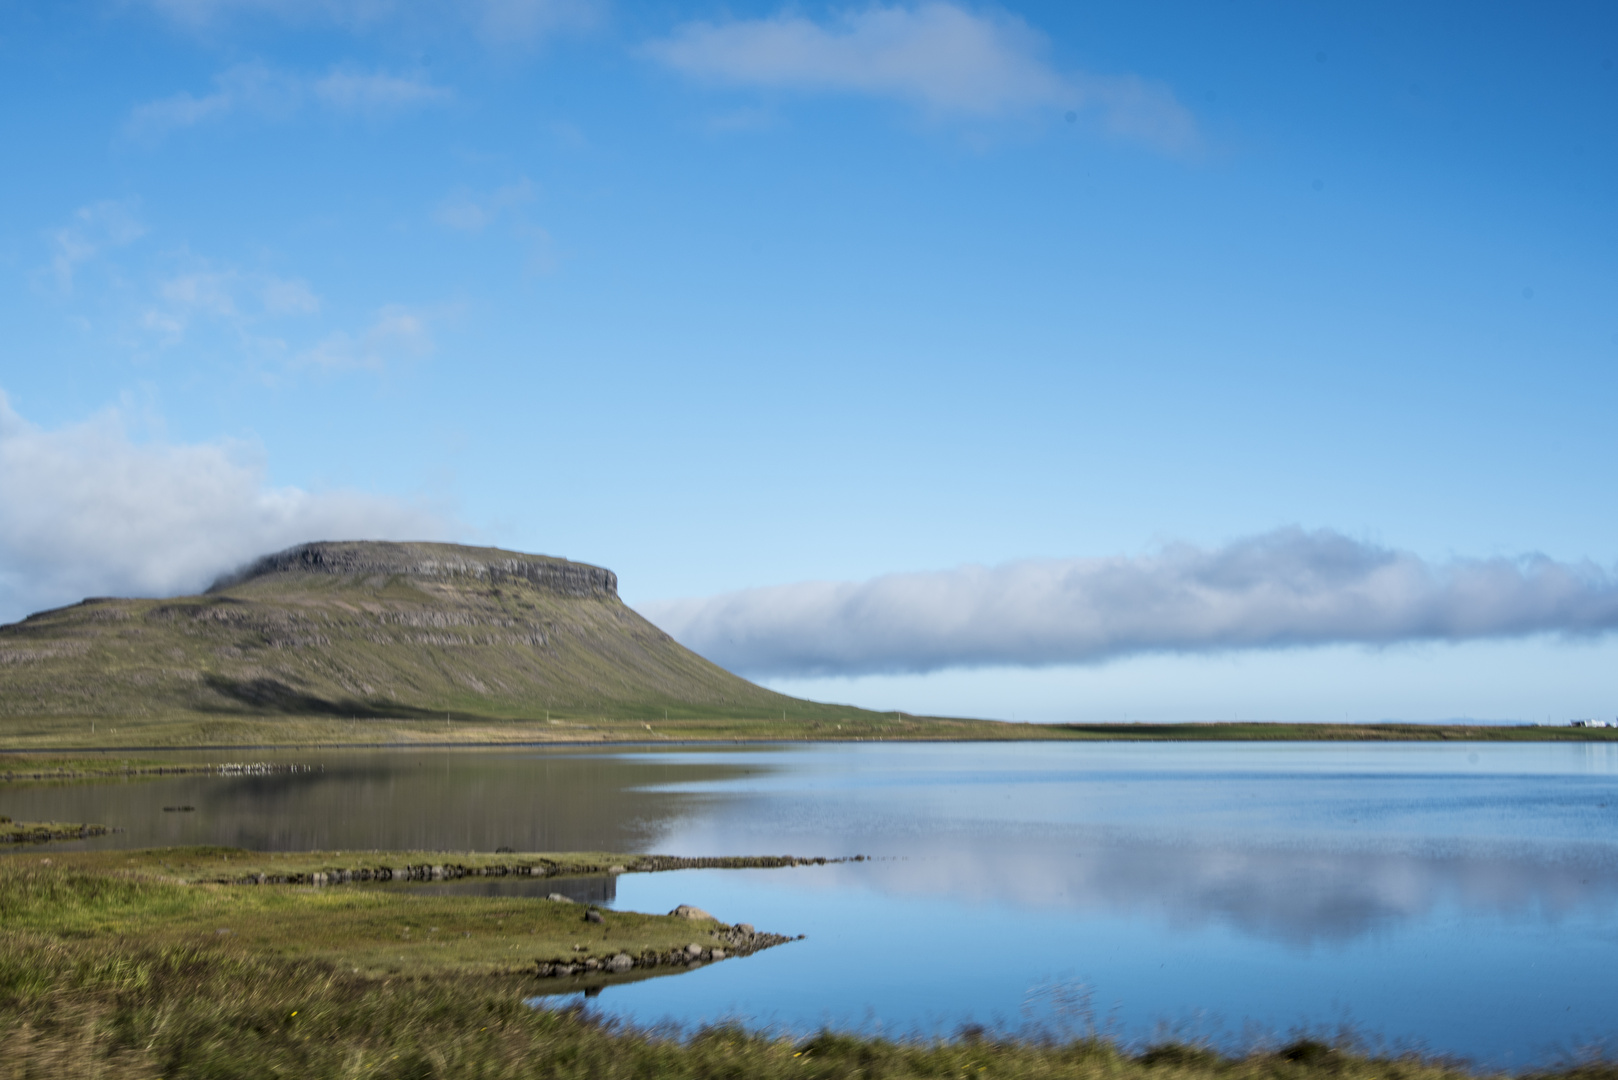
372,629
424,559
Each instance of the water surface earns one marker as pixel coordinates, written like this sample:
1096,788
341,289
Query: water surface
1462,898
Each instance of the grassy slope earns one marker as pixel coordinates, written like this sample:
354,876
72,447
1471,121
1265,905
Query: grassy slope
119,971
391,647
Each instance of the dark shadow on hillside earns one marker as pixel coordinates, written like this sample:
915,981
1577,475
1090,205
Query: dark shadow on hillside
259,696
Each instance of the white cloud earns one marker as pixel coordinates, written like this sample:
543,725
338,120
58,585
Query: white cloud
94,229
358,91
238,299
1282,589
498,22
397,332
258,90
198,14
939,56
89,511
506,21
200,292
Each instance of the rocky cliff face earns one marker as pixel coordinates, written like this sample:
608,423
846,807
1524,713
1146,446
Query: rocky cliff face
428,561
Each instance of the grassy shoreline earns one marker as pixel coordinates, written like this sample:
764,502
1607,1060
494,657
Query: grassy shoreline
279,905
43,832
138,964
59,736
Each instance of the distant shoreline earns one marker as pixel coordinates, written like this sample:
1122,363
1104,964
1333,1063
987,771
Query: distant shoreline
238,735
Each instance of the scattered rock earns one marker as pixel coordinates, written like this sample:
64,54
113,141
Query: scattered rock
745,927
686,911
734,942
559,898
594,916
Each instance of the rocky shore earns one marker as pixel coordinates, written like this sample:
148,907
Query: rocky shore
40,832
723,943
448,871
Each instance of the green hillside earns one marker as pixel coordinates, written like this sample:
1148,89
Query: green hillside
370,630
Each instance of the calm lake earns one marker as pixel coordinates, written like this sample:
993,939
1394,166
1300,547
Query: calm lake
1458,898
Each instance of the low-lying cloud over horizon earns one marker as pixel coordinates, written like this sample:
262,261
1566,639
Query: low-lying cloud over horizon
87,511
1282,589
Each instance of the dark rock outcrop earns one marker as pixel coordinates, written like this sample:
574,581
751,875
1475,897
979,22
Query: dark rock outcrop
419,560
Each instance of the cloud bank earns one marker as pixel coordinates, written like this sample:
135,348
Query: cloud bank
85,510
1282,589
939,56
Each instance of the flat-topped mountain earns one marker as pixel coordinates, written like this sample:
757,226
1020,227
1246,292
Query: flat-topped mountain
371,629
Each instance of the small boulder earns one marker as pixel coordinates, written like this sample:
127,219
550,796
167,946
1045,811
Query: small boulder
746,928
621,962
686,911
559,898
693,950
719,954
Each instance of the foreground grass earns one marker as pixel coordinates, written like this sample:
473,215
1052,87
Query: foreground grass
171,901
32,739
100,1007
117,969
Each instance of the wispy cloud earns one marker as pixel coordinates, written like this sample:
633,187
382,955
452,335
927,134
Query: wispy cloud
274,323
258,90
398,332
91,511
1282,589
93,230
942,57
473,212
240,300
498,22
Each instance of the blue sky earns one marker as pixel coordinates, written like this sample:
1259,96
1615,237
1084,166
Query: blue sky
740,296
